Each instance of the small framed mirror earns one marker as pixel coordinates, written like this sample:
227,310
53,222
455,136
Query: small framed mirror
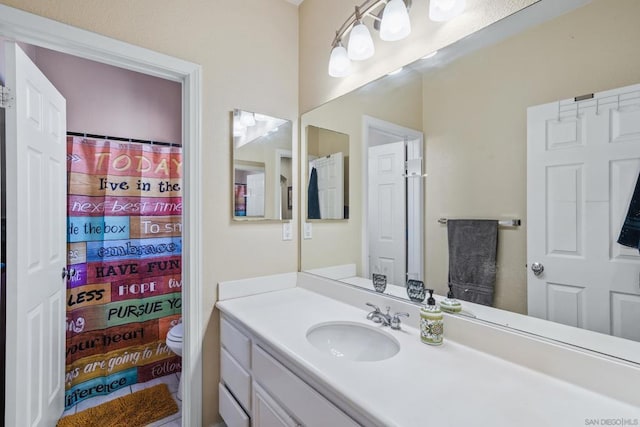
327,174
262,167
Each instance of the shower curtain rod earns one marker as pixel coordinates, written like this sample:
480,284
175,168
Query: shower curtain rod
115,138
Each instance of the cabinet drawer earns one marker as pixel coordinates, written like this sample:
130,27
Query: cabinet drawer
299,399
237,380
231,412
236,343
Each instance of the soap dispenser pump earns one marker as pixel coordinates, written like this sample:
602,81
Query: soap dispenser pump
450,304
431,324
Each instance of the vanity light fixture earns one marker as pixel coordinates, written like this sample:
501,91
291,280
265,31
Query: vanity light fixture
445,10
390,17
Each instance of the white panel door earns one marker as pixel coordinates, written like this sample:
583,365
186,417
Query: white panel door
36,245
387,223
330,170
255,194
582,167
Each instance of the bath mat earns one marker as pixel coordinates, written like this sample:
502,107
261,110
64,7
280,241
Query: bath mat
133,410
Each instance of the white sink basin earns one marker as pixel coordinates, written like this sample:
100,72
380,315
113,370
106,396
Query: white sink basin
352,341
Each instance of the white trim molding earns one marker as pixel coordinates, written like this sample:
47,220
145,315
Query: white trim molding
25,27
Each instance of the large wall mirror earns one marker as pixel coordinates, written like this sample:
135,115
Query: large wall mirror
564,82
262,167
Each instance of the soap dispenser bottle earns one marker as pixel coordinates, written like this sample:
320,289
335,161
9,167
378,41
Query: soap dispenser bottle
431,324
450,304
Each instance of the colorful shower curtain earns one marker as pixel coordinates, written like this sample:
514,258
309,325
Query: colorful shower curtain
124,228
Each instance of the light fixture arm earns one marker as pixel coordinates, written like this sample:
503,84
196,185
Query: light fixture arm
366,8
360,47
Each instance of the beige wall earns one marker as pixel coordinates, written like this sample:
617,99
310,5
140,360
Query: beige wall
396,99
249,55
475,124
320,19
324,142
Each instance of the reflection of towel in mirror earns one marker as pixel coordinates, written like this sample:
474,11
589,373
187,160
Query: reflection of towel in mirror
473,245
313,199
630,233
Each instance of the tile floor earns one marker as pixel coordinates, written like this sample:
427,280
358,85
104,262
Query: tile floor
171,381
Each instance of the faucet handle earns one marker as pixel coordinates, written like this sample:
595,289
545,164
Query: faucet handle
375,311
375,307
395,320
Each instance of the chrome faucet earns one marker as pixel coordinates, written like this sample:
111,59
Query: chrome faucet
378,317
385,318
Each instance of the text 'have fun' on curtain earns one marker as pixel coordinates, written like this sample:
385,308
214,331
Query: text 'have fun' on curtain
124,234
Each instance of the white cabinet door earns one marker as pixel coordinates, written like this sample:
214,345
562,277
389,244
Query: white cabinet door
300,399
36,243
266,412
583,161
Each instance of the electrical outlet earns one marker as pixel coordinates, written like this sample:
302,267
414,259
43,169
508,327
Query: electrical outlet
286,230
308,230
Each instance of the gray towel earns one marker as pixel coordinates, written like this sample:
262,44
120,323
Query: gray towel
473,244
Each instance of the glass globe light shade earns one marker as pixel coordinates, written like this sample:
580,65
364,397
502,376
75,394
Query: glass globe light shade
339,62
360,43
395,23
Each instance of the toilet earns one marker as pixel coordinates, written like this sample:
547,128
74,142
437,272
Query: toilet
174,342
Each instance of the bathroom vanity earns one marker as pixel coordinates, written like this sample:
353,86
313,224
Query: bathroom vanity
257,386
273,374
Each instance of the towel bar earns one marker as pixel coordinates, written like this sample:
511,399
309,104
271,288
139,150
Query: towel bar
502,223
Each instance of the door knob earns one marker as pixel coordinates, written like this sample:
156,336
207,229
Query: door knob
537,268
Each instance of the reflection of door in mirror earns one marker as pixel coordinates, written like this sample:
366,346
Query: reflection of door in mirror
255,194
393,217
249,185
387,243
328,174
329,186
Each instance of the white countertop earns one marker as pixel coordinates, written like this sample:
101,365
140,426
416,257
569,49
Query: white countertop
448,385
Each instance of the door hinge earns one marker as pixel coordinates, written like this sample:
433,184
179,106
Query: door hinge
6,98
